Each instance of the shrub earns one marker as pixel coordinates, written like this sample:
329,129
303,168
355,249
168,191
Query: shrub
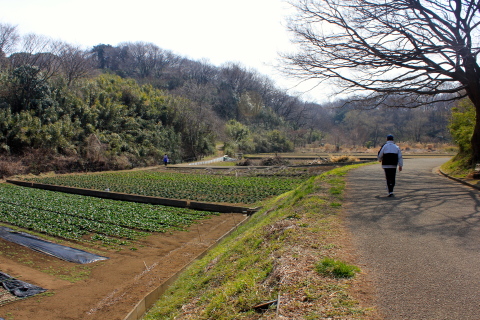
273,141
229,149
462,125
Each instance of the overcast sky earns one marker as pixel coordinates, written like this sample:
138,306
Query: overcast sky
251,32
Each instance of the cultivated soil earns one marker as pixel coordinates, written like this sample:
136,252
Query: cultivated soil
110,289
106,289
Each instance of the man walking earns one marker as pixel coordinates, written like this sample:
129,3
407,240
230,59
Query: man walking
391,157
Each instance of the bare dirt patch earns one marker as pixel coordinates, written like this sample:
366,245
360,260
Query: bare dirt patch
106,289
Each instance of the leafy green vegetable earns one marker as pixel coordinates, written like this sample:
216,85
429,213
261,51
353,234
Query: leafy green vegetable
73,216
199,187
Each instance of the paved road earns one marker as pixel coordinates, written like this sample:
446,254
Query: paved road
422,247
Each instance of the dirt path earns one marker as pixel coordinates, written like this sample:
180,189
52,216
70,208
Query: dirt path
420,248
114,286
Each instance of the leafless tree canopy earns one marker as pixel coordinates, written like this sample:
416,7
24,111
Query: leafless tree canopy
423,47
402,53
8,38
75,63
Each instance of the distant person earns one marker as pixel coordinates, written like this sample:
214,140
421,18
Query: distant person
391,157
165,160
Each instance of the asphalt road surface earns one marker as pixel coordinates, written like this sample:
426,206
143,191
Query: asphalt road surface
422,247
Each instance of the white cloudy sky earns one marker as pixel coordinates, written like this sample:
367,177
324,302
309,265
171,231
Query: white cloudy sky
251,32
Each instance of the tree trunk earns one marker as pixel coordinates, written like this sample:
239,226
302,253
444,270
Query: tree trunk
473,92
476,137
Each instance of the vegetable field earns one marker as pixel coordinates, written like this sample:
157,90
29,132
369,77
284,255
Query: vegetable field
199,187
79,217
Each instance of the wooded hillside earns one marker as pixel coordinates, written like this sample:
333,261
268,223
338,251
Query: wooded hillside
113,107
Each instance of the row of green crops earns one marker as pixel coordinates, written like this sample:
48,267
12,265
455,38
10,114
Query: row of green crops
209,188
72,216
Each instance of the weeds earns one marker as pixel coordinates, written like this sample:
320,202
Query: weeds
336,268
272,255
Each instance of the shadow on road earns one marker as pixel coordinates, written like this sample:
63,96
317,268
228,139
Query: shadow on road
420,246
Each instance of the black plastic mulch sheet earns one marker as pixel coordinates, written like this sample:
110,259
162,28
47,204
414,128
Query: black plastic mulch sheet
56,250
19,288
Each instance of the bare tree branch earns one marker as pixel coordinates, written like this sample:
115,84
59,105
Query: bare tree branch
401,53
75,63
8,38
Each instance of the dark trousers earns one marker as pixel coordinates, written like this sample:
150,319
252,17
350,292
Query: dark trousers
390,174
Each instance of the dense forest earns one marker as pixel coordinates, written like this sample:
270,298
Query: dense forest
63,107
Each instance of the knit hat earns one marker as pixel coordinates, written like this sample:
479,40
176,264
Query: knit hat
389,137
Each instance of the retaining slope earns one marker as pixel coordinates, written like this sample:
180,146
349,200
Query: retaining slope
149,300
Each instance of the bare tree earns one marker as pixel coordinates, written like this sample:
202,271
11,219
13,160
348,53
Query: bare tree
145,57
357,124
39,51
233,80
417,51
108,57
8,38
201,71
147,60
31,48
75,63
418,125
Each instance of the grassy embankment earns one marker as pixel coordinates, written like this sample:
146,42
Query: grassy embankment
458,167
295,250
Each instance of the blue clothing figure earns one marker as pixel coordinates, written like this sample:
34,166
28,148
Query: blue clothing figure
165,160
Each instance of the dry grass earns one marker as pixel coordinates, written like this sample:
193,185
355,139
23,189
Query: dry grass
11,167
413,147
273,257
6,297
343,158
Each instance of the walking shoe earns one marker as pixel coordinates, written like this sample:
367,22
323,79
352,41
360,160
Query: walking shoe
391,194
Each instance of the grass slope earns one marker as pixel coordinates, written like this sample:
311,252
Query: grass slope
459,166
275,255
